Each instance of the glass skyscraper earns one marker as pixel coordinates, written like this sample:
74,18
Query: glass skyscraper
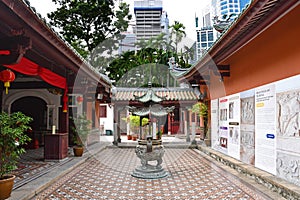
206,34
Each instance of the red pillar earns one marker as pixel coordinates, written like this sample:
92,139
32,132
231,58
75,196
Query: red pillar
169,124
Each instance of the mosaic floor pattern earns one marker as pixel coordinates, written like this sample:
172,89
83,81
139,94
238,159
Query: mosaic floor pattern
108,176
32,165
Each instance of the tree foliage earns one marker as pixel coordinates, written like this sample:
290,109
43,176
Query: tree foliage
178,30
87,23
134,122
201,109
92,27
137,69
153,53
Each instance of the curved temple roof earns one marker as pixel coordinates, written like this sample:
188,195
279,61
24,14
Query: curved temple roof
153,110
149,96
170,94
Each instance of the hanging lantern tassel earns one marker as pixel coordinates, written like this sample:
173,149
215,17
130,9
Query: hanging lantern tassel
65,103
6,85
7,76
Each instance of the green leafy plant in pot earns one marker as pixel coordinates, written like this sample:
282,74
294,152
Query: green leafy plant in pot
13,136
201,110
158,135
134,122
81,130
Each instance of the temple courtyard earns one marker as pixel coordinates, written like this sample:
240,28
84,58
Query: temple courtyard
105,172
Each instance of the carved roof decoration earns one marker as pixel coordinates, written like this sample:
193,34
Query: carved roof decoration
155,110
150,95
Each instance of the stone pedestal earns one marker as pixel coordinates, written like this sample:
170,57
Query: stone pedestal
148,153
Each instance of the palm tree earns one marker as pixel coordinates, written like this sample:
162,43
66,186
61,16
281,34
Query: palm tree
157,42
142,43
160,41
188,54
179,30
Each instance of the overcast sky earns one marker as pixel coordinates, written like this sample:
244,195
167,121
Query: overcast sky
180,10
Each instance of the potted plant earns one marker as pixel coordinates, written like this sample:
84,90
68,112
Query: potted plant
129,136
81,129
158,135
13,136
201,110
134,137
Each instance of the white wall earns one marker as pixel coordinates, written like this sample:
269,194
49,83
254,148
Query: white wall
108,121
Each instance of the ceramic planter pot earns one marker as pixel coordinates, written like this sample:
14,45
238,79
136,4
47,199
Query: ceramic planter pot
134,137
78,151
6,186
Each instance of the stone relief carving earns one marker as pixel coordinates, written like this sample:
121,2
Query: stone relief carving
247,138
288,127
247,110
288,113
234,135
247,151
288,167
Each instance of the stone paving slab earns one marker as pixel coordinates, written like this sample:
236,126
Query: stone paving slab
272,183
45,178
192,176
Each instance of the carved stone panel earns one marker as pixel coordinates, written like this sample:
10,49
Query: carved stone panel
288,113
247,148
288,167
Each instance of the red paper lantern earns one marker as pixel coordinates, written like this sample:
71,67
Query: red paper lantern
79,99
7,76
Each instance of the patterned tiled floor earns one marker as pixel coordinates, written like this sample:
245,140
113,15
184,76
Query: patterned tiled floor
31,165
108,176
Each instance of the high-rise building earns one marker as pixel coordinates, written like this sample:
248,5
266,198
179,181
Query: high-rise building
150,19
227,7
206,34
243,4
165,25
127,43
